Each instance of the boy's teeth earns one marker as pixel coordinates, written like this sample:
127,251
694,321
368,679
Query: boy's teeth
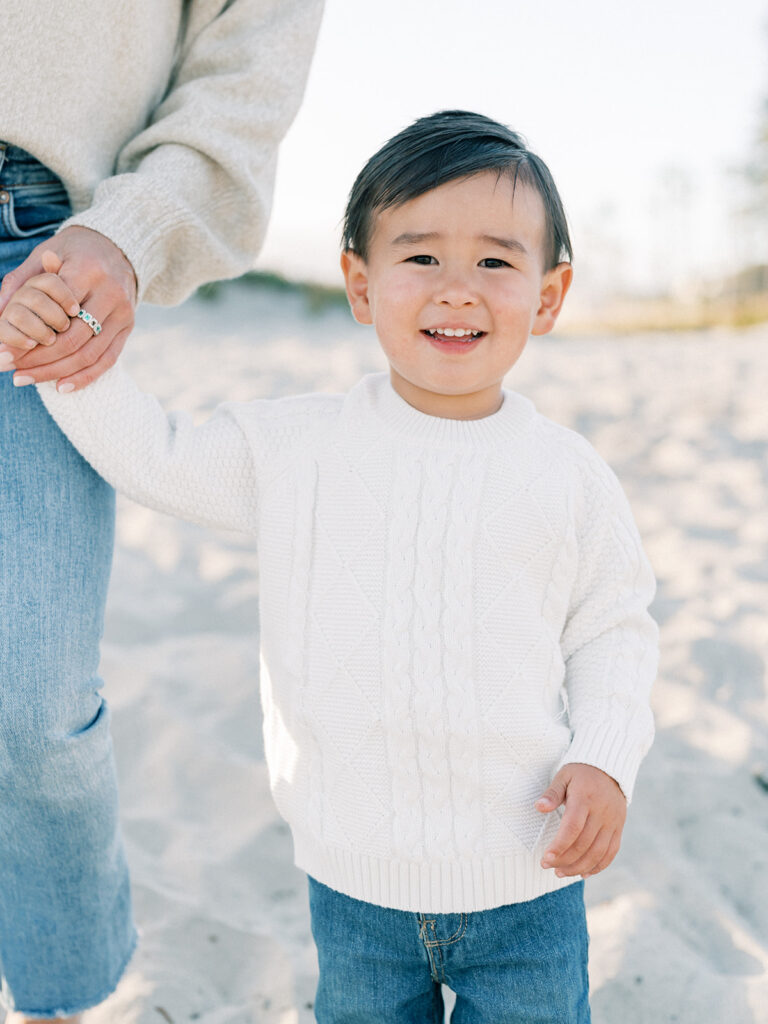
453,332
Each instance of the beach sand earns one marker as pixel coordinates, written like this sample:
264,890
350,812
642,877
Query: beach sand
679,923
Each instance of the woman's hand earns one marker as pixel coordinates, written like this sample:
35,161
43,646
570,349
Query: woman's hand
102,281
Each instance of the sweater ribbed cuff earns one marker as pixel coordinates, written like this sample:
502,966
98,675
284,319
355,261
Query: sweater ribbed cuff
138,221
609,749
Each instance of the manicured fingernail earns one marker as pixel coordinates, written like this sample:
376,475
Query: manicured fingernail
28,343
74,309
7,360
22,382
64,389
548,859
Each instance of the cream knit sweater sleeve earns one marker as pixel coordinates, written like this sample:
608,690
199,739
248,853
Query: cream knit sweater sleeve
190,198
610,642
203,473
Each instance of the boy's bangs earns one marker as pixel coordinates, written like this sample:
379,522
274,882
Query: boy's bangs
441,148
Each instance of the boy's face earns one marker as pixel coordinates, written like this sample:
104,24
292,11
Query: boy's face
463,257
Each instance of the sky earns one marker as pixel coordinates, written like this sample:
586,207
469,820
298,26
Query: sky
641,111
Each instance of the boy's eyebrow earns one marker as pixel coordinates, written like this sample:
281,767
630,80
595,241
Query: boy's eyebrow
415,237
506,243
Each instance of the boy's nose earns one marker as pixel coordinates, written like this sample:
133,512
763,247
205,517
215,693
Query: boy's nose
456,292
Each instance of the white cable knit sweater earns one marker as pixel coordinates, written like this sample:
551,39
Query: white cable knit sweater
450,610
162,118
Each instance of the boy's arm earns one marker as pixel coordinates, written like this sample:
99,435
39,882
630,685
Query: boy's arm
610,641
610,648
203,473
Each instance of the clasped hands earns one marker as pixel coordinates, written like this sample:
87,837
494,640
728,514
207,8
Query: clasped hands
37,337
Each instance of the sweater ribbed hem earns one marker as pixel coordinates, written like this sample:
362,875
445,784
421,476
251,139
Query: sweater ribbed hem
441,887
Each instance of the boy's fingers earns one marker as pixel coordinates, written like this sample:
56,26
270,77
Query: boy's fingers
77,336
14,279
570,829
15,340
589,858
607,857
39,317
54,287
50,285
82,367
581,846
29,325
68,362
38,311
553,797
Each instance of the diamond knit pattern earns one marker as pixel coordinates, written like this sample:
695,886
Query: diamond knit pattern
449,611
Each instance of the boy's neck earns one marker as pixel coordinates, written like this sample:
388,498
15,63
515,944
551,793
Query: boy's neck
475,406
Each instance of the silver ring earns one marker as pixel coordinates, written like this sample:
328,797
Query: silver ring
92,322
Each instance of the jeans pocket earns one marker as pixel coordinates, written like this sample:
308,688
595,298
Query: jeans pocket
32,210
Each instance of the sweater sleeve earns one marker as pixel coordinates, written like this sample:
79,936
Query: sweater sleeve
610,642
191,195
203,473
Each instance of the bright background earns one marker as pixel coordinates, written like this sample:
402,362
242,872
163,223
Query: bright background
642,110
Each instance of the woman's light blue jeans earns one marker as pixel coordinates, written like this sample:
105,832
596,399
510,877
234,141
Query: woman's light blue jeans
66,929
525,963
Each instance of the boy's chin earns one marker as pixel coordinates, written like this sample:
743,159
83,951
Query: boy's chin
447,399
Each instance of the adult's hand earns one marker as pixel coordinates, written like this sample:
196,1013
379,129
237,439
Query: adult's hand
103,282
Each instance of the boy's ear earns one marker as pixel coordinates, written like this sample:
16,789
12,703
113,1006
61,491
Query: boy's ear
355,271
554,288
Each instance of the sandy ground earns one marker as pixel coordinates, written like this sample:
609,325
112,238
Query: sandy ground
679,923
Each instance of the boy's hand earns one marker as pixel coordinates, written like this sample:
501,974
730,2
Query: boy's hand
590,833
102,280
38,311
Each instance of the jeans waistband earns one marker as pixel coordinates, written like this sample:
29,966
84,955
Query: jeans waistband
18,167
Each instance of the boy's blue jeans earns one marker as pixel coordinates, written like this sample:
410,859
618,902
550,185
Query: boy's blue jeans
66,930
525,963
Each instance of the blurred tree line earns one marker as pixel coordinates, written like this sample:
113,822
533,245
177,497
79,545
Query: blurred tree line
753,277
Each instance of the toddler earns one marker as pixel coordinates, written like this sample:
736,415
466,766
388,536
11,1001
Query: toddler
457,653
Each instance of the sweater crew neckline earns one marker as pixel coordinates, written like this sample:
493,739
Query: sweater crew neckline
512,419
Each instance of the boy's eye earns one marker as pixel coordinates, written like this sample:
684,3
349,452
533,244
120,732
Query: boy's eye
423,261
492,263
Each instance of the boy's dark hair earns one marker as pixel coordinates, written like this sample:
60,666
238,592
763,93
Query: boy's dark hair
442,147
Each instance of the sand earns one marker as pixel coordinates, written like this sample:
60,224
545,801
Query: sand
679,923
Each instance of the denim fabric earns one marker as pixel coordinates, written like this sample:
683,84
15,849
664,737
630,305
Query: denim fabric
521,964
66,930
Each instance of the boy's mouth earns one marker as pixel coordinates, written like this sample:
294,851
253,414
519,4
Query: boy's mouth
453,338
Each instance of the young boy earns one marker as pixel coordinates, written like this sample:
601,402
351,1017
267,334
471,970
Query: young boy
454,623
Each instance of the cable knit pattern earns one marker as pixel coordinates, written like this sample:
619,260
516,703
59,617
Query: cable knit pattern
162,118
450,610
